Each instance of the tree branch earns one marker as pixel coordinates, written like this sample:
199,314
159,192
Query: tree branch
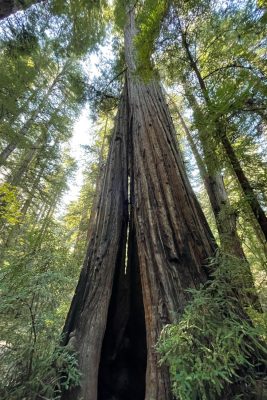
226,67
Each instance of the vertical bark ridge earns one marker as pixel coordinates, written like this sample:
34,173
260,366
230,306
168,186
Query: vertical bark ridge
86,322
173,240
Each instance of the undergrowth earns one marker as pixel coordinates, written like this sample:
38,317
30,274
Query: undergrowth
215,347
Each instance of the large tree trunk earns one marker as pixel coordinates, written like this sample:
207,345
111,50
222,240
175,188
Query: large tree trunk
118,312
172,236
86,322
173,239
115,326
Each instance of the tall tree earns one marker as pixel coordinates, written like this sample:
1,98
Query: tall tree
193,53
172,243
149,242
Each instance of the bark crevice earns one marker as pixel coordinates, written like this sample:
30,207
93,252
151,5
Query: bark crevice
123,359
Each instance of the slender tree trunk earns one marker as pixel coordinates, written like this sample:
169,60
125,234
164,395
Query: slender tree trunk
85,220
8,150
32,193
46,222
220,133
88,220
40,214
15,179
99,183
250,196
38,146
14,231
224,214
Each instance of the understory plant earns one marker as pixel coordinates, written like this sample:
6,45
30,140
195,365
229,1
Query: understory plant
216,340
36,288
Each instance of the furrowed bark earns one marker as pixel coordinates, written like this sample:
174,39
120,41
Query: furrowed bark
117,315
173,242
172,236
86,322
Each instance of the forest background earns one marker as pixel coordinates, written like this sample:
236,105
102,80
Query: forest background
60,60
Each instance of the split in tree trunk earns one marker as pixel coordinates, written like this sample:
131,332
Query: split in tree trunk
123,360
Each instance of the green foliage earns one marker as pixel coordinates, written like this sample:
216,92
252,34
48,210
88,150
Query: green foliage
41,93
120,12
66,368
214,344
35,286
42,90
9,204
83,21
105,90
149,22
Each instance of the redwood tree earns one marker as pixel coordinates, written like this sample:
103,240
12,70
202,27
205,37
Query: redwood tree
168,243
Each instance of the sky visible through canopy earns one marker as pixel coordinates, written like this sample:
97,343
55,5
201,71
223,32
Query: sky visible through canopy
83,135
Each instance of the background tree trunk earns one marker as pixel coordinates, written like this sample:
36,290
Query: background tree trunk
224,214
8,150
220,134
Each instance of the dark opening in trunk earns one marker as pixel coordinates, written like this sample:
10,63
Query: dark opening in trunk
122,368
